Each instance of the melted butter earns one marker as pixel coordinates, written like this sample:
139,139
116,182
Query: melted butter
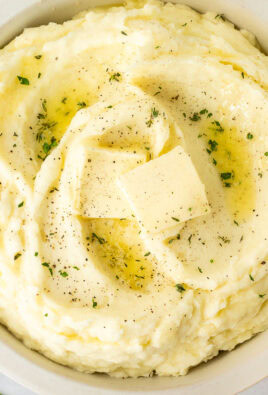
230,153
117,245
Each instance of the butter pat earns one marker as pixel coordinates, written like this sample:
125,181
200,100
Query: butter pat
165,191
99,194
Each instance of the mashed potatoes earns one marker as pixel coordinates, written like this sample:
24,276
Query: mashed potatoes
133,169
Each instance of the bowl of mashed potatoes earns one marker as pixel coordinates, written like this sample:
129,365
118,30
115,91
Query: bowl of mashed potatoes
133,190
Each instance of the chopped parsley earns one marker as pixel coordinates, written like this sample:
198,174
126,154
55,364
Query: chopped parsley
63,274
23,80
261,295
147,253
39,75
180,288
220,16
76,268
115,77
252,278
21,204
226,176
45,264
124,33
213,145
195,117
204,111
249,136
200,270
47,147
266,153
175,219
243,75
36,253
82,104
217,126
38,57
101,240
154,114
94,303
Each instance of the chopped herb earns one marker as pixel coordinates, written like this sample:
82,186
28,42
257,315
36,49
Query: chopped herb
41,116
39,75
175,219
204,111
147,148
213,145
218,128
122,32
214,161
147,253
185,24
200,270
190,239
266,153
250,276
23,80
101,240
243,75
142,277
109,106
224,239
171,241
195,117
82,104
64,100
249,136
236,223
94,303
21,204
157,93
210,115
180,288
16,256
48,266
47,147
63,274
115,77
184,114
211,260
36,253
46,314
178,236
261,295
154,112
76,268
38,57
226,176
44,105
158,46
227,184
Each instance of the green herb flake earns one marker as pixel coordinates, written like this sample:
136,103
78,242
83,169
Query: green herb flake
46,314
94,303
124,33
175,219
226,176
21,204
115,77
211,260
195,117
200,270
39,75
101,240
261,295
204,111
250,136
147,253
38,57
180,288
76,268
63,274
252,278
243,75
266,153
23,80
82,104
36,253
45,264
213,145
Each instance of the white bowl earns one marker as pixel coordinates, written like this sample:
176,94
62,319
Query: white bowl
227,374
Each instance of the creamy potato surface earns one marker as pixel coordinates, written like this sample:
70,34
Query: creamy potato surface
133,189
